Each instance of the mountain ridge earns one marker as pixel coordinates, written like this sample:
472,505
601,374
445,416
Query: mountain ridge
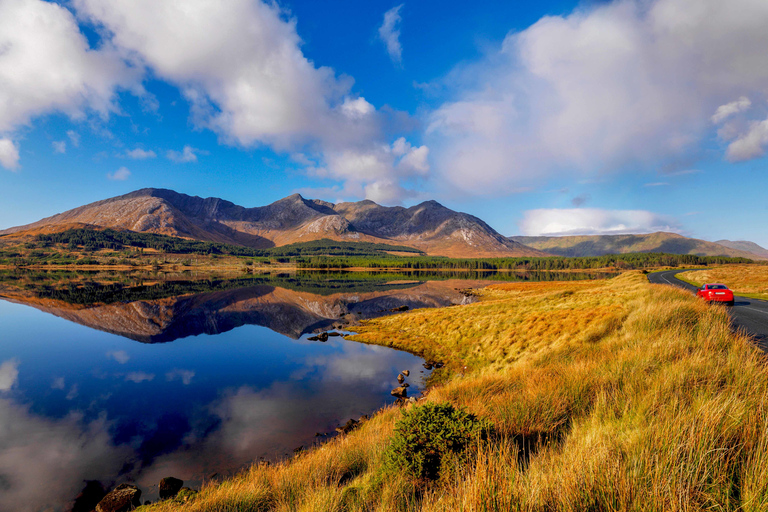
428,226
599,245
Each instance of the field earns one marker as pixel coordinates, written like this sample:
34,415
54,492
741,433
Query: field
610,395
746,280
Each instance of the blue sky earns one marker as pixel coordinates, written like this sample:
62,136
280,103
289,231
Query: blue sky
539,117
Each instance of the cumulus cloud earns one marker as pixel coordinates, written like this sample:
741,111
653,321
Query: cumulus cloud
184,156
389,33
593,221
185,376
121,356
59,146
9,372
734,107
74,137
140,154
9,154
750,144
629,81
47,65
121,174
139,377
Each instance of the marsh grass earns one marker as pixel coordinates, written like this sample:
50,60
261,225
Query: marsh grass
618,395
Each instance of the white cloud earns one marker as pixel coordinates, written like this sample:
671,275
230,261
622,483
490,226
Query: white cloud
140,154
74,137
750,144
9,373
121,174
47,65
139,377
121,356
724,111
389,33
593,221
631,81
59,146
184,375
186,155
9,154
58,383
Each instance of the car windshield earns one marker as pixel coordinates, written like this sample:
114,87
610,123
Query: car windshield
717,287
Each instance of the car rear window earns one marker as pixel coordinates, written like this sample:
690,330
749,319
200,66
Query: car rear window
717,287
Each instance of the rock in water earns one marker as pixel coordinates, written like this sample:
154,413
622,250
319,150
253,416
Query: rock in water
400,392
169,487
123,498
400,378
323,336
406,372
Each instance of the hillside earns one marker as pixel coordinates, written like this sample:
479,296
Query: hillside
746,246
598,245
429,226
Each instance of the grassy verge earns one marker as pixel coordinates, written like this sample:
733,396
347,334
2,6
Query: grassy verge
745,280
613,395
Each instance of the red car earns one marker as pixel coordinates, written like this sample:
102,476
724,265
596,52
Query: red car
715,292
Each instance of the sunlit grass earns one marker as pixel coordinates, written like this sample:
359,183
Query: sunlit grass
616,395
747,280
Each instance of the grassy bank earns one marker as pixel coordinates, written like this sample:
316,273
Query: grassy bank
612,395
745,280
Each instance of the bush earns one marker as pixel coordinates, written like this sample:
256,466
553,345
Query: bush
429,436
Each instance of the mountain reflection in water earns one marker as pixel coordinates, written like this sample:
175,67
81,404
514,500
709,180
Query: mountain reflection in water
78,403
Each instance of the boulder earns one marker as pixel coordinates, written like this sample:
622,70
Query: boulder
400,378
123,498
323,336
348,427
169,487
334,333
313,338
400,392
427,366
406,385
406,372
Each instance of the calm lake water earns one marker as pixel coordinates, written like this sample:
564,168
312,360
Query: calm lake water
130,378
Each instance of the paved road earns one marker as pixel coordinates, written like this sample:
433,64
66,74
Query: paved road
750,314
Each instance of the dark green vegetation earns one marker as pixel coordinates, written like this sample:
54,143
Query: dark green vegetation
94,240
432,436
618,261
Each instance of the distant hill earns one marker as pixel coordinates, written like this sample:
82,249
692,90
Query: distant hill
429,226
598,245
743,245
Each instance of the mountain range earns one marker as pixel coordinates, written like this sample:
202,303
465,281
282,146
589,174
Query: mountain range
598,245
429,226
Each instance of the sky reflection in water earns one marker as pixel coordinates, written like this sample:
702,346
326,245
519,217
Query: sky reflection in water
79,404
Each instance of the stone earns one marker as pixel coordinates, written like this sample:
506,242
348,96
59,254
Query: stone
406,372
348,427
313,338
439,365
406,385
334,333
400,378
169,487
123,498
400,392
427,366
323,336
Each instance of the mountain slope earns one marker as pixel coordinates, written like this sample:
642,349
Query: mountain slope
598,245
428,226
744,245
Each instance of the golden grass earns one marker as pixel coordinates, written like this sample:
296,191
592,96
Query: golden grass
748,280
615,395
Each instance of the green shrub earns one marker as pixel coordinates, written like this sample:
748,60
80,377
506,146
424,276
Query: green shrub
430,436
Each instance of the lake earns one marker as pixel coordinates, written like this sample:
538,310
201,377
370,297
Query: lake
118,378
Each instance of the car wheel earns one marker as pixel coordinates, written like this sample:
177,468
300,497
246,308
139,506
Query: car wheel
730,303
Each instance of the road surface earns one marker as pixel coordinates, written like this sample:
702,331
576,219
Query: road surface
749,314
